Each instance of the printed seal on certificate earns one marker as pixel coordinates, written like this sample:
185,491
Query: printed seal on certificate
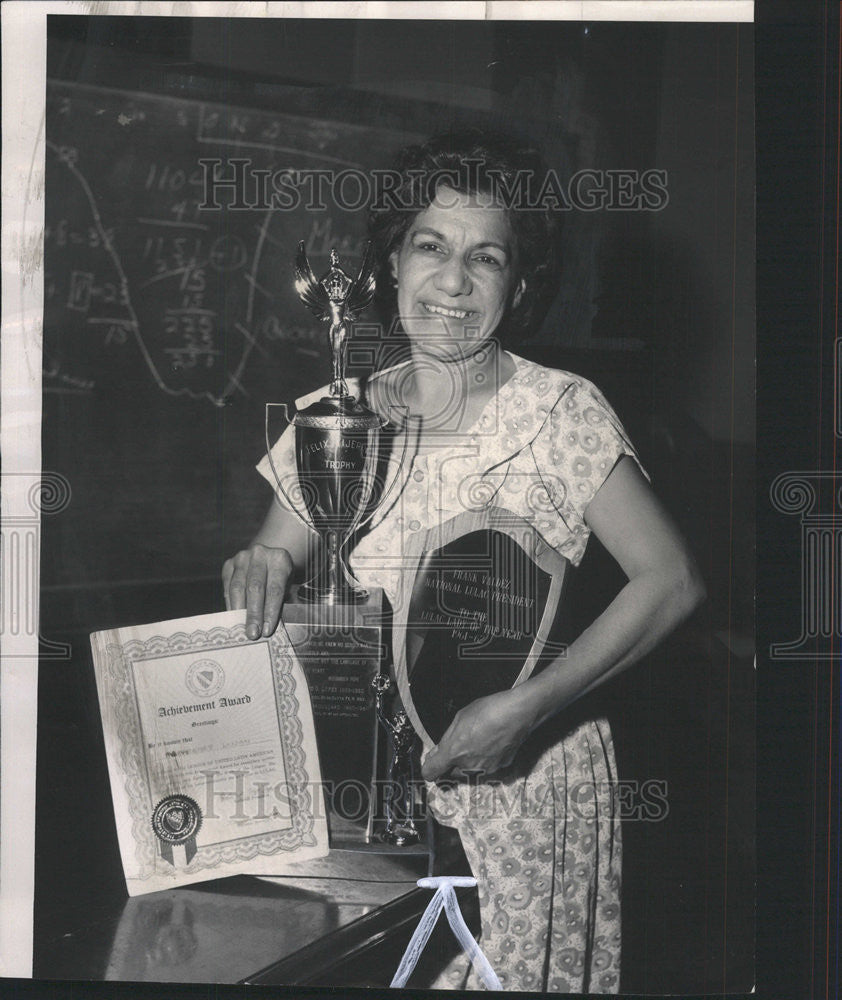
204,677
176,820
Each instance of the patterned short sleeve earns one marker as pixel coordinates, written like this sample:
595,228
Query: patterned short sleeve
280,462
579,444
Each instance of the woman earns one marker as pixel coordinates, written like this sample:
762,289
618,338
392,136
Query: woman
467,267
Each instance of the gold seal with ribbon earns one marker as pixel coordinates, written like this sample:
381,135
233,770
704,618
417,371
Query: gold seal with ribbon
176,820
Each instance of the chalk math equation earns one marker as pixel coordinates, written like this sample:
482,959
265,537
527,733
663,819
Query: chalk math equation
139,271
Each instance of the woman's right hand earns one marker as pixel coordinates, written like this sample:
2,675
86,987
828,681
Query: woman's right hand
256,579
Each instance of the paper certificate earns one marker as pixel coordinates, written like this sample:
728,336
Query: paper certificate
211,751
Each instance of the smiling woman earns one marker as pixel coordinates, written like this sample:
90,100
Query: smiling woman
456,278
538,819
456,275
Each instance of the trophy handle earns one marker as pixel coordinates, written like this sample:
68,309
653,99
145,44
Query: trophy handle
366,518
286,496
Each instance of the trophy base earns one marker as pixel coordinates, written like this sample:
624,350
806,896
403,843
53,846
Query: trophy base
341,647
309,593
399,837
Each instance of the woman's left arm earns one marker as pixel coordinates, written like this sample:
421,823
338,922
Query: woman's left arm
664,587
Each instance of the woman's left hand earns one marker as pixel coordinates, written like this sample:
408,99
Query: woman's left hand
483,737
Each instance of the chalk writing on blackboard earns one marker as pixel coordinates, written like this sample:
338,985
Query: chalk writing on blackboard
141,275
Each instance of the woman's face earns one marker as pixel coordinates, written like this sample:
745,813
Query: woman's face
455,272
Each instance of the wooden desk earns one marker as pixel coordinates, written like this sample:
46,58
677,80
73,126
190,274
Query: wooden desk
287,931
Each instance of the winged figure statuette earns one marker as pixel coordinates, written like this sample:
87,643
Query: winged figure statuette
335,298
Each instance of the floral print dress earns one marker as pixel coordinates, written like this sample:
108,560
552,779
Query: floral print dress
543,837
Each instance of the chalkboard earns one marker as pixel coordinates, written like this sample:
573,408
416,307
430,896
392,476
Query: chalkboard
169,325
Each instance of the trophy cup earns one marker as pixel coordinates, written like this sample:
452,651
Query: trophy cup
336,438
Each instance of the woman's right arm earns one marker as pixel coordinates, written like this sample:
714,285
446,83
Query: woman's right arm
256,578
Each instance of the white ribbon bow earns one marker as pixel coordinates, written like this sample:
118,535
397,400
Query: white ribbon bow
444,898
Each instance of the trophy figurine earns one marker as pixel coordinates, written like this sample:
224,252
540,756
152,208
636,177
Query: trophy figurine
337,439
400,826
338,299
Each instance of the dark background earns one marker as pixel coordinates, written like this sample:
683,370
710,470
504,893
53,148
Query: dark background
657,308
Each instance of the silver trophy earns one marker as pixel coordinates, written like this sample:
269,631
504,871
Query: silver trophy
337,439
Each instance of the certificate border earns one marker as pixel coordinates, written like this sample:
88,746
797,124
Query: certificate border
117,688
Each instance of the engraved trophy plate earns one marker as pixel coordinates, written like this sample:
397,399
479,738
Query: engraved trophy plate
482,594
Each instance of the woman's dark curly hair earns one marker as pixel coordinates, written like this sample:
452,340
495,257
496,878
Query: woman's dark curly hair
473,161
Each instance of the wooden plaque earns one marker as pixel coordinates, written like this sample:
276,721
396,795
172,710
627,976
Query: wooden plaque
480,597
